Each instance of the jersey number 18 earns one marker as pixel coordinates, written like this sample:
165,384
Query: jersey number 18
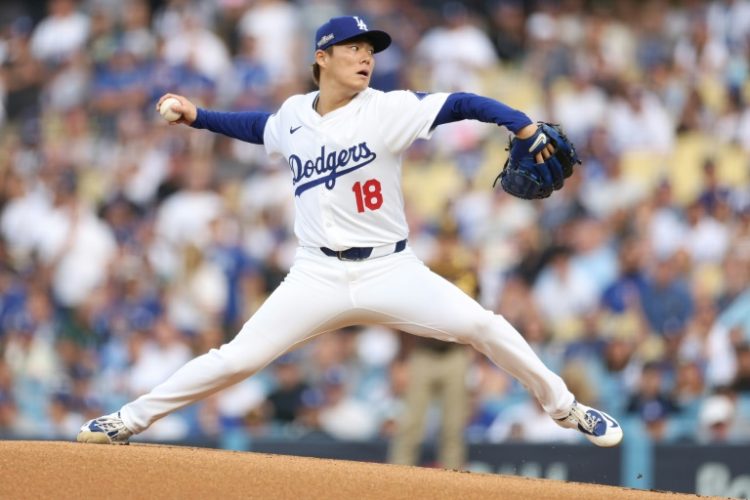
368,195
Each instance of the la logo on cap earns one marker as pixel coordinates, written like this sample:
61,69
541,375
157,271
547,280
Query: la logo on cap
360,23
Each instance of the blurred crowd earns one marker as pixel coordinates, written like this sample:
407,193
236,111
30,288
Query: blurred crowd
129,246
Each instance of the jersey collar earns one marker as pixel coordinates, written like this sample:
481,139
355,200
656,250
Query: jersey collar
314,100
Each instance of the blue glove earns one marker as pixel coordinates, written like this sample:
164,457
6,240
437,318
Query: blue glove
524,178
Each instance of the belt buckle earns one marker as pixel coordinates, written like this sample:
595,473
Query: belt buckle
340,255
357,255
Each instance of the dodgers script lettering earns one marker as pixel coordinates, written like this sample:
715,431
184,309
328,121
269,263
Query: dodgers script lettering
329,166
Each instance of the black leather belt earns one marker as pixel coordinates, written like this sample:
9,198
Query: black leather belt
363,253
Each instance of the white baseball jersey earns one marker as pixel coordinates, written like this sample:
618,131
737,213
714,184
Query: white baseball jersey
346,165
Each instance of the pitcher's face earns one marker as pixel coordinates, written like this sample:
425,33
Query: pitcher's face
350,64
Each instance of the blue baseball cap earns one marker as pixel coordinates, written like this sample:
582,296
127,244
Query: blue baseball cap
340,29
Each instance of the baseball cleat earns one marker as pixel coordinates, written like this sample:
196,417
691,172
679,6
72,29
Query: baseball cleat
108,429
598,427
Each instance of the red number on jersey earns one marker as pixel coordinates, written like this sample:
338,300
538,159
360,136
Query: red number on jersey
368,195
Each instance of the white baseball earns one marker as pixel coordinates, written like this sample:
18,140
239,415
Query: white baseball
165,110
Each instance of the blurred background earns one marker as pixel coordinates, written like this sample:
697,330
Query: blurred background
128,247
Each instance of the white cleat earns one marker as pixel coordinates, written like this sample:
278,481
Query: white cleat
108,429
599,428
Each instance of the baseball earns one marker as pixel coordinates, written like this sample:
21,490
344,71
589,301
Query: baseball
165,110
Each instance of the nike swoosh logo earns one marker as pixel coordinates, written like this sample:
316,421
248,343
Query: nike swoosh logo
609,419
293,130
541,139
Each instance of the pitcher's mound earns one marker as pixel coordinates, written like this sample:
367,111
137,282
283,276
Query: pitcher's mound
42,469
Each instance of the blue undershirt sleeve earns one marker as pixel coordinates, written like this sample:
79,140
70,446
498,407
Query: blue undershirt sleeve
246,126
466,106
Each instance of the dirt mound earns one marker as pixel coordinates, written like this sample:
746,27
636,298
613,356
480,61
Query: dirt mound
42,469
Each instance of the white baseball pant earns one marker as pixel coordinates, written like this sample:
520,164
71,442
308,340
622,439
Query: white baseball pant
322,294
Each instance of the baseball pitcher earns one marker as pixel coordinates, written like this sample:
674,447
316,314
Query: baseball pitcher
344,144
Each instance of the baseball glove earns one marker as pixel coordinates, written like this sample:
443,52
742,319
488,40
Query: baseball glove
524,178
